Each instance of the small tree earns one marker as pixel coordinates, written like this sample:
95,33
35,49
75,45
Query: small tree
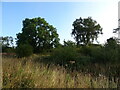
86,30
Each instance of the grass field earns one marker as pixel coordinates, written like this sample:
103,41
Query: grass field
26,73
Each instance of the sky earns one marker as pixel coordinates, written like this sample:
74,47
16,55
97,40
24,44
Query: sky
61,15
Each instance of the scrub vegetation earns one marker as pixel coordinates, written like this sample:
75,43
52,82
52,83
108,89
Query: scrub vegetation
40,61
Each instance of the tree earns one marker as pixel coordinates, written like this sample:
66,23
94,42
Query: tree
69,43
39,34
86,30
6,41
7,44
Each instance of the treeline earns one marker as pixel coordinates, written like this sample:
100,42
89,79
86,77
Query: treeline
39,36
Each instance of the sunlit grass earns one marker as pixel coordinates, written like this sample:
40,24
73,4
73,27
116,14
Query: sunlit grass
25,73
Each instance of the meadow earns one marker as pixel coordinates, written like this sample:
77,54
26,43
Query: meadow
40,61
36,72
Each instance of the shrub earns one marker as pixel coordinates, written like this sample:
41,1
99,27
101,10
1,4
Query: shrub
85,50
111,55
96,53
69,57
111,50
10,50
63,55
119,52
24,50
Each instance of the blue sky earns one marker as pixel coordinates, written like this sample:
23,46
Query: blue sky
61,15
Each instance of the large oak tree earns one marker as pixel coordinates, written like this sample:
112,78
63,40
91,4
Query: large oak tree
39,34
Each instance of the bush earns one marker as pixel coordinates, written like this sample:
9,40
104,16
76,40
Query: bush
63,55
119,52
111,55
24,50
10,50
85,50
96,53
69,58
111,50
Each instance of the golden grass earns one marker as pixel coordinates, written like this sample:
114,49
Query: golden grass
24,73
0,71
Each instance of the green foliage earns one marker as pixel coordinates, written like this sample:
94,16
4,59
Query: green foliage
39,34
109,53
7,44
69,43
111,43
82,61
86,30
96,53
6,41
10,50
63,55
24,50
85,50
69,57
111,50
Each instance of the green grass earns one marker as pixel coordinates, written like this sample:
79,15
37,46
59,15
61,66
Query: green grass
25,73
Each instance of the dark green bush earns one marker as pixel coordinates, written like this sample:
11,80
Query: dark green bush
96,53
119,53
111,55
85,50
10,50
24,50
63,55
69,57
111,50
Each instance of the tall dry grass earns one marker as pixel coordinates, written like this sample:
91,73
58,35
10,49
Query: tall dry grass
25,73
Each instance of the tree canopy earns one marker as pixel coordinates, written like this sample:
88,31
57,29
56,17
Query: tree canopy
38,33
86,30
6,41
